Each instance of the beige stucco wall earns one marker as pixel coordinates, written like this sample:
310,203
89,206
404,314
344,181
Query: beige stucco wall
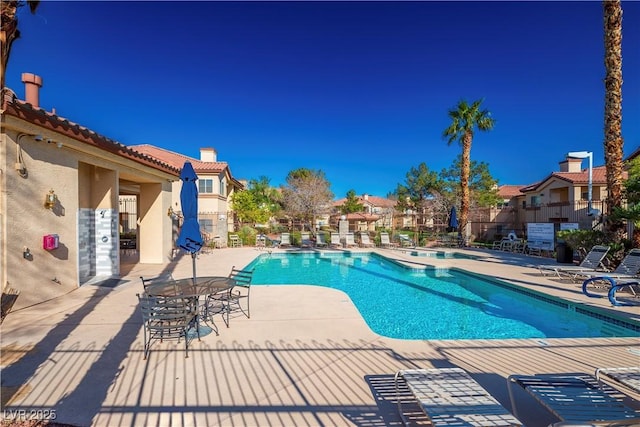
213,203
82,176
44,274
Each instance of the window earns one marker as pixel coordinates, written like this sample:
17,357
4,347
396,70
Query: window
223,187
205,186
535,200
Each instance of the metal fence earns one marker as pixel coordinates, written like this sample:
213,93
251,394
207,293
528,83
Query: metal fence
128,214
489,223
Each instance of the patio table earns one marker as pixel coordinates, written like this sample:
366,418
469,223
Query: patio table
190,288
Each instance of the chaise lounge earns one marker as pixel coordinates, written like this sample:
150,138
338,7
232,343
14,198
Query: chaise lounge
451,397
592,262
575,398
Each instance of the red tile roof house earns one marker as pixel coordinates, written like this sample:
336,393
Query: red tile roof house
216,186
560,197
49,249
378,212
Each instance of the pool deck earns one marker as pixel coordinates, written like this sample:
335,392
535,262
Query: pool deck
306,356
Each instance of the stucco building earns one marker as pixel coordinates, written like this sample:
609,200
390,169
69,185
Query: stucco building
48,249
216,186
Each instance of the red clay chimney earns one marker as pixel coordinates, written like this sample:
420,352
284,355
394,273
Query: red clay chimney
32,85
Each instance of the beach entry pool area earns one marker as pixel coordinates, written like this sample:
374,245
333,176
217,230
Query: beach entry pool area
405,303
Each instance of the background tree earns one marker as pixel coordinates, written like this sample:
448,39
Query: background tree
632,195
464,119
351,204
9,31
613,142
421,194
246,209
258,203
306,194
483,188
265,196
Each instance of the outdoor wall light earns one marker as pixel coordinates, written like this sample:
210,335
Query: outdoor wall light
26,253
38,138
50,199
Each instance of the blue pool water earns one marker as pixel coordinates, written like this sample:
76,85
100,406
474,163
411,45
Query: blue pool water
399,302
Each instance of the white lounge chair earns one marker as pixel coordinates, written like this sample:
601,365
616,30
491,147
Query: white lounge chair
320,239
385,241
235,241
405,241
285,239
575,398
450,397
625,378
350,240
592,262
335,240
365,242
305,239
627,271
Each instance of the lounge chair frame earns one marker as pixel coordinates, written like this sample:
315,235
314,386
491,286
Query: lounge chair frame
285,239
365,242
574,397
625,378
608,283
451,397
592,262
321,240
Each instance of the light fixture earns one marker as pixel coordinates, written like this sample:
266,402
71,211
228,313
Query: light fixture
59,144
38,138
50,199
587,155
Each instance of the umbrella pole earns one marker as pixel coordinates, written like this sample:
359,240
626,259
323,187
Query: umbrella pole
193,261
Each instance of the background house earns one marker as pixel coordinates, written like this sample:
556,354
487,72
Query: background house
377,213
216,185
560,197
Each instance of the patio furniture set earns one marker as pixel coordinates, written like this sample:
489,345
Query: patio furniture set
180,309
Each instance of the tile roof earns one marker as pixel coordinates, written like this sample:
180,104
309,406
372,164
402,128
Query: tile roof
177,160
14,107
509,191
372,200
359,216
599,177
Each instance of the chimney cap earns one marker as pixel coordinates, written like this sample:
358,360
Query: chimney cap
32,78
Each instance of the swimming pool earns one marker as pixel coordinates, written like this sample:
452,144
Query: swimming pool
400,302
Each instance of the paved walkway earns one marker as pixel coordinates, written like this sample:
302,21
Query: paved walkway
306,357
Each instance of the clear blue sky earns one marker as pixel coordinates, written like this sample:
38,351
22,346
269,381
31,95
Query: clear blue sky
359,90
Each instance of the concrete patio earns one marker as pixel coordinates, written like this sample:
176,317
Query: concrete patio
306,356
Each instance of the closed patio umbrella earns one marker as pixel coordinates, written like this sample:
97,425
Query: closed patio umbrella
190,238
453,219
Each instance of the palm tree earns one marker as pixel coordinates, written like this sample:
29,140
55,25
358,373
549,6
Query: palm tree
613,142
9,30
464,119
